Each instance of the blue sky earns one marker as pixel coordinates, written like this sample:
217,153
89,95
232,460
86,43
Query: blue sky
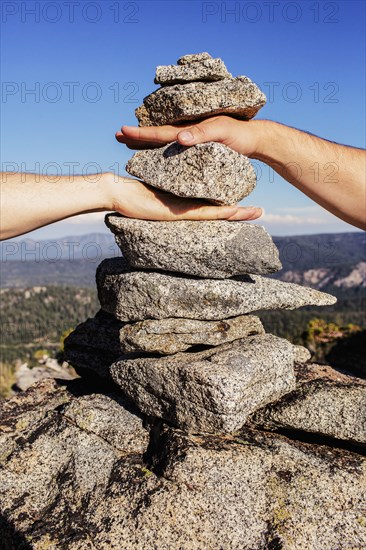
90,64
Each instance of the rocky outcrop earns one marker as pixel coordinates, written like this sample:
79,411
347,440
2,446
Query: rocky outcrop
25,376
325,402
80,471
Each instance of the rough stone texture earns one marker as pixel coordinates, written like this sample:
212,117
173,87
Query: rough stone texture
107,417
217,249
238,97
213,390
325,402
66,485
274,493
138,295
210,171
104,335
302,354
26,408
168,336
143,116
193,58
208,70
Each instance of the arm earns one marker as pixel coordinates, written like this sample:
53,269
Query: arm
332,175
30,201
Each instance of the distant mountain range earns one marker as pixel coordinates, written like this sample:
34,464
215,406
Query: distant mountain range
321,261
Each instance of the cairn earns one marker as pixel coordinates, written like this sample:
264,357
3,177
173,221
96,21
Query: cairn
176,331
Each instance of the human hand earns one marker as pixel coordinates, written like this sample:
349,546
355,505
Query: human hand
134,199
241,136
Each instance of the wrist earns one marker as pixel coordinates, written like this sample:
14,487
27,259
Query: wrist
262,131
110,187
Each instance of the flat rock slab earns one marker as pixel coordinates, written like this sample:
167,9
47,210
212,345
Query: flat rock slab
139,295
213,390
193,58
215,249
105,337
169,336
238,97
325,402
210,171
208,70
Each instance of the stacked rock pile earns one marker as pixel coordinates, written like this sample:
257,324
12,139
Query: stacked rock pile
176,331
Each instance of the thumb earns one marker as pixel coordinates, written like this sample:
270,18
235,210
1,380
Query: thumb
195,134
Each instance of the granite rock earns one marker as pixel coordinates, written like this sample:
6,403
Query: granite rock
208,70
105,337
215,249
274,493
213,390
193,58
169,336
138,295
210,171
143,116
302,354
325,402
238,97
70,482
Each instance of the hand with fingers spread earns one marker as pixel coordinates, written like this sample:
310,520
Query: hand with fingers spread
333,175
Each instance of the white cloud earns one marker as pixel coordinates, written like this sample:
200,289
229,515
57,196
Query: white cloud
294,220
309,209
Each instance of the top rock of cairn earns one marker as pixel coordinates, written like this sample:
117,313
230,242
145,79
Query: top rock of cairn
197,87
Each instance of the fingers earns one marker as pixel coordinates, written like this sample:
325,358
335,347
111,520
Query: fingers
147,136
187,209
132,144
230,213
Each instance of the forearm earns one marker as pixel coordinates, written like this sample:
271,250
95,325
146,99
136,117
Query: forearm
30,201
333,175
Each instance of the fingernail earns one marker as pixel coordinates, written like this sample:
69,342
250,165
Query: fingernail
185,136
257,212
